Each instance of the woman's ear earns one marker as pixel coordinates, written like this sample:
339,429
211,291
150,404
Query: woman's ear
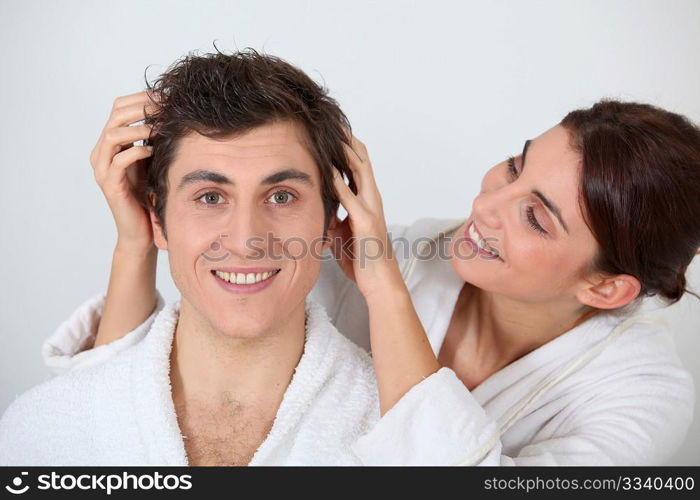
611,292
158,233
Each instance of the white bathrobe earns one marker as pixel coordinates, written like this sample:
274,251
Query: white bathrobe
611,391
121,412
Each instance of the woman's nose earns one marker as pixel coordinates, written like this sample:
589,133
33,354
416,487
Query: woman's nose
487,207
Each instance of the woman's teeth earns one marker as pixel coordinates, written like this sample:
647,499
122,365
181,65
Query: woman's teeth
481,243
245,278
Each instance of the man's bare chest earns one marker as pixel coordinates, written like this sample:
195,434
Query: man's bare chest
227,434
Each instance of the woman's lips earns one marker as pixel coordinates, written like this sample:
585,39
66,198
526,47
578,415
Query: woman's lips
486,255
475,245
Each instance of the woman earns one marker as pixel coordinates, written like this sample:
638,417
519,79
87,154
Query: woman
530,322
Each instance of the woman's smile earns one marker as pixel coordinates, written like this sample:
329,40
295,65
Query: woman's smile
478,242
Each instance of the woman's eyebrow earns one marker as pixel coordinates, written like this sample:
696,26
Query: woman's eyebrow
545,201
525,146
552,208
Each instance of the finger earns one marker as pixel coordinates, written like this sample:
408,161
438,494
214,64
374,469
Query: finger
365,164
364,179
348,134
127,100
360,149
345,195
352,153
126,158
121,117
357,155
353,161
122,161
114,139
129,114
122,136
140,99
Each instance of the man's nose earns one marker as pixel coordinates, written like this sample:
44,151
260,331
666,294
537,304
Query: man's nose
246,233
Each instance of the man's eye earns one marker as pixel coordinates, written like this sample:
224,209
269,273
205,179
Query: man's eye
210,198
281,198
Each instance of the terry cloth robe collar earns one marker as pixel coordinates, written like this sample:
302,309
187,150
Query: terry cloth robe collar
152,395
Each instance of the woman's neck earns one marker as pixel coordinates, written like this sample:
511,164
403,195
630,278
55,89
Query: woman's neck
499,330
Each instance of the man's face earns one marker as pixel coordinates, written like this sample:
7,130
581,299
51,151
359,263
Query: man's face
251,204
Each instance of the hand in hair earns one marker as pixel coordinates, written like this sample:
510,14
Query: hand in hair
119,169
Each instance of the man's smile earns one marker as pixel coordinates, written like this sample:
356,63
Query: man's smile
250,281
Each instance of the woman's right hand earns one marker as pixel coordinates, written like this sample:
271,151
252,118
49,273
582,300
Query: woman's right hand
119,169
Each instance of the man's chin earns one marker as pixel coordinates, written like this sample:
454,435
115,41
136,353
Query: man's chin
241,326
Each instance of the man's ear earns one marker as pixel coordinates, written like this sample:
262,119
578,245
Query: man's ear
330,231
158,236
333,223
610,292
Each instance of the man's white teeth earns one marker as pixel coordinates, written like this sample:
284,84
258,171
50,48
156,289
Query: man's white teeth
480,243
245,278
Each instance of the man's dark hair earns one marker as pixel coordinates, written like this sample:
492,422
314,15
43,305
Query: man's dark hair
222,95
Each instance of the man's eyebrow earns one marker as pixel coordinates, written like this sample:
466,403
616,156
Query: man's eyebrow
545,201
274,178
288,174
203,176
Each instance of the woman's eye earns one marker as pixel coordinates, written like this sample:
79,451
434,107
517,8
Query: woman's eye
281,198
512,169
210,198
532,220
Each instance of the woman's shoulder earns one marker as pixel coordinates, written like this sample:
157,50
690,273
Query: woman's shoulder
643,337
638,351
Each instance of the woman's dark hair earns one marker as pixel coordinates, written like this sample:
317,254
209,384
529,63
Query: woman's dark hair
640,191
222,95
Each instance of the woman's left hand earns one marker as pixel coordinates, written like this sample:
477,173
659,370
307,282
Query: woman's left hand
363,234
401,353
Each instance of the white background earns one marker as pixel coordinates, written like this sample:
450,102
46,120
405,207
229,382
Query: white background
439,92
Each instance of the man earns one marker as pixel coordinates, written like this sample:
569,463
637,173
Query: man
244,369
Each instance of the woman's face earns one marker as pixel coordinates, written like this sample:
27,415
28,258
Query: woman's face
528,213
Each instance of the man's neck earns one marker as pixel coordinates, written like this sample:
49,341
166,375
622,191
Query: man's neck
211,367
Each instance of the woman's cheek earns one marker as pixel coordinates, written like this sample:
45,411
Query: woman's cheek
521,253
